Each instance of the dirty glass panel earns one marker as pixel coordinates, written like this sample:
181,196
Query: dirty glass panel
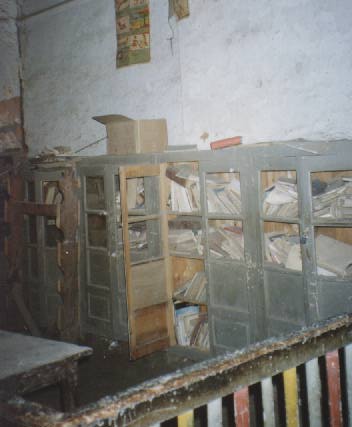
52,233
97,235
30,191
33,268
226,239
95,194
145,242
332,194
282,245
185,237
99,269
183,187
223,193
279,193
51,192
32,229
135,194
333,247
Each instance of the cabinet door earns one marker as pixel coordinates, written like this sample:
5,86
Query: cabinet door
103,289
147,271
327,217
235,319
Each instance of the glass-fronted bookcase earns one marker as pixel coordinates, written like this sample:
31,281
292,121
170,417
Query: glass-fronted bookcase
258,239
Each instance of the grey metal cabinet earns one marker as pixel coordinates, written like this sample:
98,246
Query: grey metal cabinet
272,278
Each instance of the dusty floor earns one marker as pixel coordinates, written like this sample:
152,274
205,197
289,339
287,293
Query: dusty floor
109,371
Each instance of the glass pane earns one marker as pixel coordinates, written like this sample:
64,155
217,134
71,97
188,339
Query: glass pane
224,193
97,235
117,196
145,240
99,268
30,191
279,192
183,187
32,229
95,195
135,194
185,237
332,194
52,233
282,245
33,268
334,251
226,239
51,193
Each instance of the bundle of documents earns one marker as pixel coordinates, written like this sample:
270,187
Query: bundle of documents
186,319
226,241
191,327
281,199
185,237
223,196
184,188
334,258
335,200
194,290
283,249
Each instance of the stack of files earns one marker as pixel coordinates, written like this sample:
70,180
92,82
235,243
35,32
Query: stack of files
334,258
283,249
226,241
184,188
200,335
223,196
281,199
185,241
186,319
335,200
193,290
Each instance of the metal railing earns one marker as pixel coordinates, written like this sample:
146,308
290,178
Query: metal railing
304,379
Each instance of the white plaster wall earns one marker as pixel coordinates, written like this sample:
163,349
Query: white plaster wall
266,70
9,55
70,76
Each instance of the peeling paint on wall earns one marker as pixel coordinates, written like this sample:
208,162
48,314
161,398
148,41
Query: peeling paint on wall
11,133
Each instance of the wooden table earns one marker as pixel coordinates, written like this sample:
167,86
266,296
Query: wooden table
29,363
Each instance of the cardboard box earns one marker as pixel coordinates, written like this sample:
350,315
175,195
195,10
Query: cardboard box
128,136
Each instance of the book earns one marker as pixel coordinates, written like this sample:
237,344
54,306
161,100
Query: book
184,188
226,143
334,200
223,196
186,319
334,256
194,290
281,199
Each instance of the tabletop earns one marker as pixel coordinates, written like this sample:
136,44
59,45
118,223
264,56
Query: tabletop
20,354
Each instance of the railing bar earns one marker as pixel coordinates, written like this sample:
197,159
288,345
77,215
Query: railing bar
241,400
186,419
291,397
334,387
268,402
214,413
314,392
348,370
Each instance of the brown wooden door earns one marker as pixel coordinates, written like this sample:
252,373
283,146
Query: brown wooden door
147,264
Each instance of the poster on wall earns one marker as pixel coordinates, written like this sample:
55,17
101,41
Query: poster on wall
179,8
133,32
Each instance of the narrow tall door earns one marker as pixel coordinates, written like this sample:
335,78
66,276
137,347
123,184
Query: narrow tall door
146,257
